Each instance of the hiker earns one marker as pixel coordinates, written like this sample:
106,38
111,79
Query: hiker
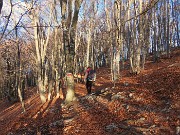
90,77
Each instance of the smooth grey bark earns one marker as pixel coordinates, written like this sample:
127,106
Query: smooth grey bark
69,23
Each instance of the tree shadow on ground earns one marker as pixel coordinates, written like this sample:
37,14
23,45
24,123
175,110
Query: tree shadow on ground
37,121
105,120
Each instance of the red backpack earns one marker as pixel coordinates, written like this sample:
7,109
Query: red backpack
91,75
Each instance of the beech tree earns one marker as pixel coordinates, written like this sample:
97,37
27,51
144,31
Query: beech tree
69,24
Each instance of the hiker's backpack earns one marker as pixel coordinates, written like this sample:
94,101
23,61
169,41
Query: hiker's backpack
91,75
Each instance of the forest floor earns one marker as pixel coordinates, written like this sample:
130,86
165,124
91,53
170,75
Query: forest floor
144,104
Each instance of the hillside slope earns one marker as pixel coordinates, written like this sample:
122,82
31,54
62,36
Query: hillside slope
146,104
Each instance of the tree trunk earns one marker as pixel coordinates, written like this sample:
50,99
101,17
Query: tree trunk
19,82
1,5
168,34
69,23
70,95
155,50
88,45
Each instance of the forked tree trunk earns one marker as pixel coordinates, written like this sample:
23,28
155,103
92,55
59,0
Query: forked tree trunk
41,43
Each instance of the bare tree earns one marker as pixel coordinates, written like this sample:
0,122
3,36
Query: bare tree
69,24
41,43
